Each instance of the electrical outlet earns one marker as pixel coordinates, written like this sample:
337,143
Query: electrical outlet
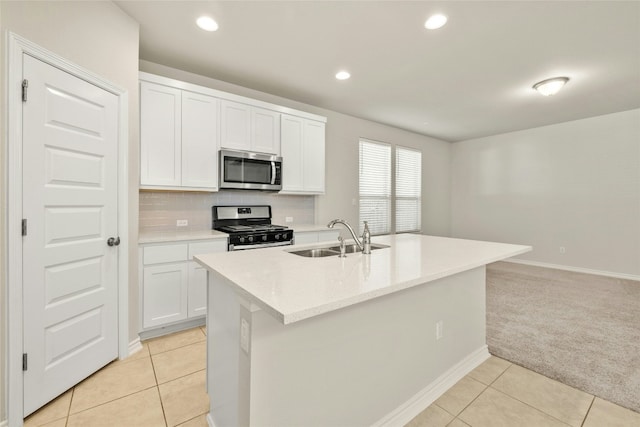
182,222
439,325
244,335
288,219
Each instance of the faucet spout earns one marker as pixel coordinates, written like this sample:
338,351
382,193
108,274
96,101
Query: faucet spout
361,246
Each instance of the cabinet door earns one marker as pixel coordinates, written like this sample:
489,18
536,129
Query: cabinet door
313,156
235,125
160,135
197,305
164,294
265,131
199,141
198,275
291,146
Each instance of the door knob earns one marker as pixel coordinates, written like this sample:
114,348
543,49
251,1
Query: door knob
113,241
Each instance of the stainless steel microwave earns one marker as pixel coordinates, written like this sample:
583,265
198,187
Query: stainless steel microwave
250,171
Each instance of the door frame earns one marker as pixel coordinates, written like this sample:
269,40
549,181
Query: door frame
17,46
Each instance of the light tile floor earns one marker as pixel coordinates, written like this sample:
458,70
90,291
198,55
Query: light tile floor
499,393
161,385
164,385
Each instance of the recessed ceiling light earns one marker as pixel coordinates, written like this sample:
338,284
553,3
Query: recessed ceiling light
207,23
552,86
342,75
435,21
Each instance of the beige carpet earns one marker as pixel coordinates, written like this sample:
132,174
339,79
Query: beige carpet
581,329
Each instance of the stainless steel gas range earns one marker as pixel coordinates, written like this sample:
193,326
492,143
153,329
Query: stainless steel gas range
249,227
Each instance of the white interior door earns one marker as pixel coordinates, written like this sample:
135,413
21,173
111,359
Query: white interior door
70,274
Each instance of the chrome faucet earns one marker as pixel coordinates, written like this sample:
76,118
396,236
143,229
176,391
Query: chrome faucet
365,244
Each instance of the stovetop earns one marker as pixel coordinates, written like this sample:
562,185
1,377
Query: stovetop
250,227
254,228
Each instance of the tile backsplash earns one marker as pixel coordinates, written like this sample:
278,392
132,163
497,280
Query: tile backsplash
159,210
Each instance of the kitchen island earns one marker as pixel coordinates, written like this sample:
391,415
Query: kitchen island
355,341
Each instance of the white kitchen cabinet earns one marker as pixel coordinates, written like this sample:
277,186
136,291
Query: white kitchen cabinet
248,128
302,144
165,294
174,287
197,302
178,139
316,236
199,141
197,290
160,135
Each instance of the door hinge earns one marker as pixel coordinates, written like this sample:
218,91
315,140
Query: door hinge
25,85
24,361
24,227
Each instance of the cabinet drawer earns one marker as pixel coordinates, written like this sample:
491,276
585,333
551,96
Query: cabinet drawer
165,253
207,247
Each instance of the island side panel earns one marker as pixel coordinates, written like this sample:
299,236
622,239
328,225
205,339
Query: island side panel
357,365
227,364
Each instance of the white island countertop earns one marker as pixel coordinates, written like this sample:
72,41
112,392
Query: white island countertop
293,288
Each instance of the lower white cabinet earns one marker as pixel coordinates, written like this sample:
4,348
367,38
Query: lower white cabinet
165,294
174,287
317,236
197,290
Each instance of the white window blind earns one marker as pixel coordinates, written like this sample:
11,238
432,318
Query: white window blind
375,186
408,189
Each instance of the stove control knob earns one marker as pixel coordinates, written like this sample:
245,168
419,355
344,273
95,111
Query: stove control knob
241,239
277,237
251,238
264,238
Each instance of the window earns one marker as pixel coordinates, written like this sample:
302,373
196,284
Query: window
379,197
375,186
408,189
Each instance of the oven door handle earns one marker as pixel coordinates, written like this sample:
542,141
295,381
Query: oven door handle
258,246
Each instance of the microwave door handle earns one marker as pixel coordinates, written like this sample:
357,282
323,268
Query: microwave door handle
273,173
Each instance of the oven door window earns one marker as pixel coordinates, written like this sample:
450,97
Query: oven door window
247,171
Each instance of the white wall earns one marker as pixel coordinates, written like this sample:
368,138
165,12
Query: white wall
574,185
101,38
342,138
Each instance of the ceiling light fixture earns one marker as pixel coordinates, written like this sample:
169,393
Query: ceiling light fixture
207,23
342,75
552,86
435,21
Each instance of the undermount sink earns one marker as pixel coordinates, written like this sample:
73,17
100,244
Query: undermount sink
349,249
315,253
333,250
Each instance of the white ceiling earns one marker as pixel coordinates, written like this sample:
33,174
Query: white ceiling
469,79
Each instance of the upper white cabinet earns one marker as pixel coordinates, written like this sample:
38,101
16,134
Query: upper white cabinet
178,139
199,141
303,156
183,126
160,135
249,128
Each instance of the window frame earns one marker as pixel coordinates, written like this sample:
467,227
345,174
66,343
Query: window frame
392,198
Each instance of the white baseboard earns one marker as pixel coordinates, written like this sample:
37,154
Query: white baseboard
135,346
425,397
175,327
4,423
574,269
